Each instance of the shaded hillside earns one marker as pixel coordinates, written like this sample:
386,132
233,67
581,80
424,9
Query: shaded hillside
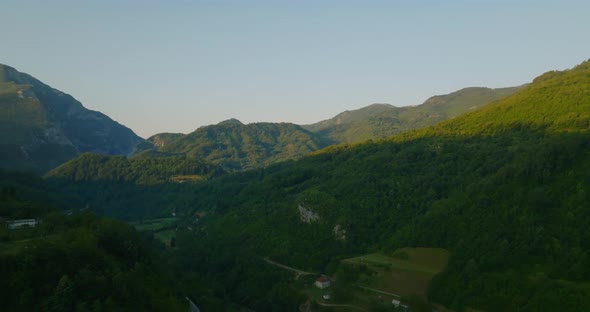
142,186
41,127
139,169
156,142
504,189
76,262
235,146
379,121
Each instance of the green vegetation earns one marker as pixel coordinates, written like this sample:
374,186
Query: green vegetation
380,121
235,146
424,260
139,169
163,229
77,263
40,127
136,188
406,273
504,189
155,224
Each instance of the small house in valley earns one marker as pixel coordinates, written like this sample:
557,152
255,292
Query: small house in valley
322,282
22,223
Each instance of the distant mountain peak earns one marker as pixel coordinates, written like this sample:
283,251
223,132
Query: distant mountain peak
42,127
231,121
380,120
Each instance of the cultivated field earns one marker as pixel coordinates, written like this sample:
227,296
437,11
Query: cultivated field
406,272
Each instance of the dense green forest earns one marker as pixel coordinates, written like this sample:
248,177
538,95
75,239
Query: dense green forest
504,189
145,168
76,262
380,121
150,184
235,146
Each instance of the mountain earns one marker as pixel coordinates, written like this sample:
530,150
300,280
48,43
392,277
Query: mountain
75,262
236,146
503,189
42,127
162,139
383,120
141,186
155,142
139,169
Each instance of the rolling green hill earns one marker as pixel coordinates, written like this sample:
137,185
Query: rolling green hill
150,184
380,121
139,169
235,146
504,189
41,127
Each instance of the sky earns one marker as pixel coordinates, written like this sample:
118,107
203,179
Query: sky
173,66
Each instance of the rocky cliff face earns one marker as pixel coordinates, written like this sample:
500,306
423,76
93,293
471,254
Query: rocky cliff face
43,127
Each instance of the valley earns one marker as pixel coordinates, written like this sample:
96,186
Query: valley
482,209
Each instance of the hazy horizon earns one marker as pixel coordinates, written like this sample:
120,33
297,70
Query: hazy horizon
160,67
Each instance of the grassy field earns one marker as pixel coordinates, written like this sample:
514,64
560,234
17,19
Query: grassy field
163,228
425,260
406,272
165,236
154,224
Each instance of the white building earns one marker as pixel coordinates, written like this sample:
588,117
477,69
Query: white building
17,224
322,282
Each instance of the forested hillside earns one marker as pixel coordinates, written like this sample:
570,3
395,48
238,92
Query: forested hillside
41,127
504,189
140,169
235,146
75,262
142,186
380,121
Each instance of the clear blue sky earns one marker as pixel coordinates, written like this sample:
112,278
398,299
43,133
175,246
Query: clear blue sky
172,66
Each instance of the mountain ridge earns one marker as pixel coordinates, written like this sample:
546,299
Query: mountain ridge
379,120
43,127
243,147
504,189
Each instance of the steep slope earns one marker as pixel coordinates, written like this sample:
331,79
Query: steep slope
76,262
383,120
155,142
142,186
139,169
41,127
162,139
236,146
504,189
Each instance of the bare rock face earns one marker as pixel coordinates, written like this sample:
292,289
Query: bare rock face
339,232
307,215
161,140
42,127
